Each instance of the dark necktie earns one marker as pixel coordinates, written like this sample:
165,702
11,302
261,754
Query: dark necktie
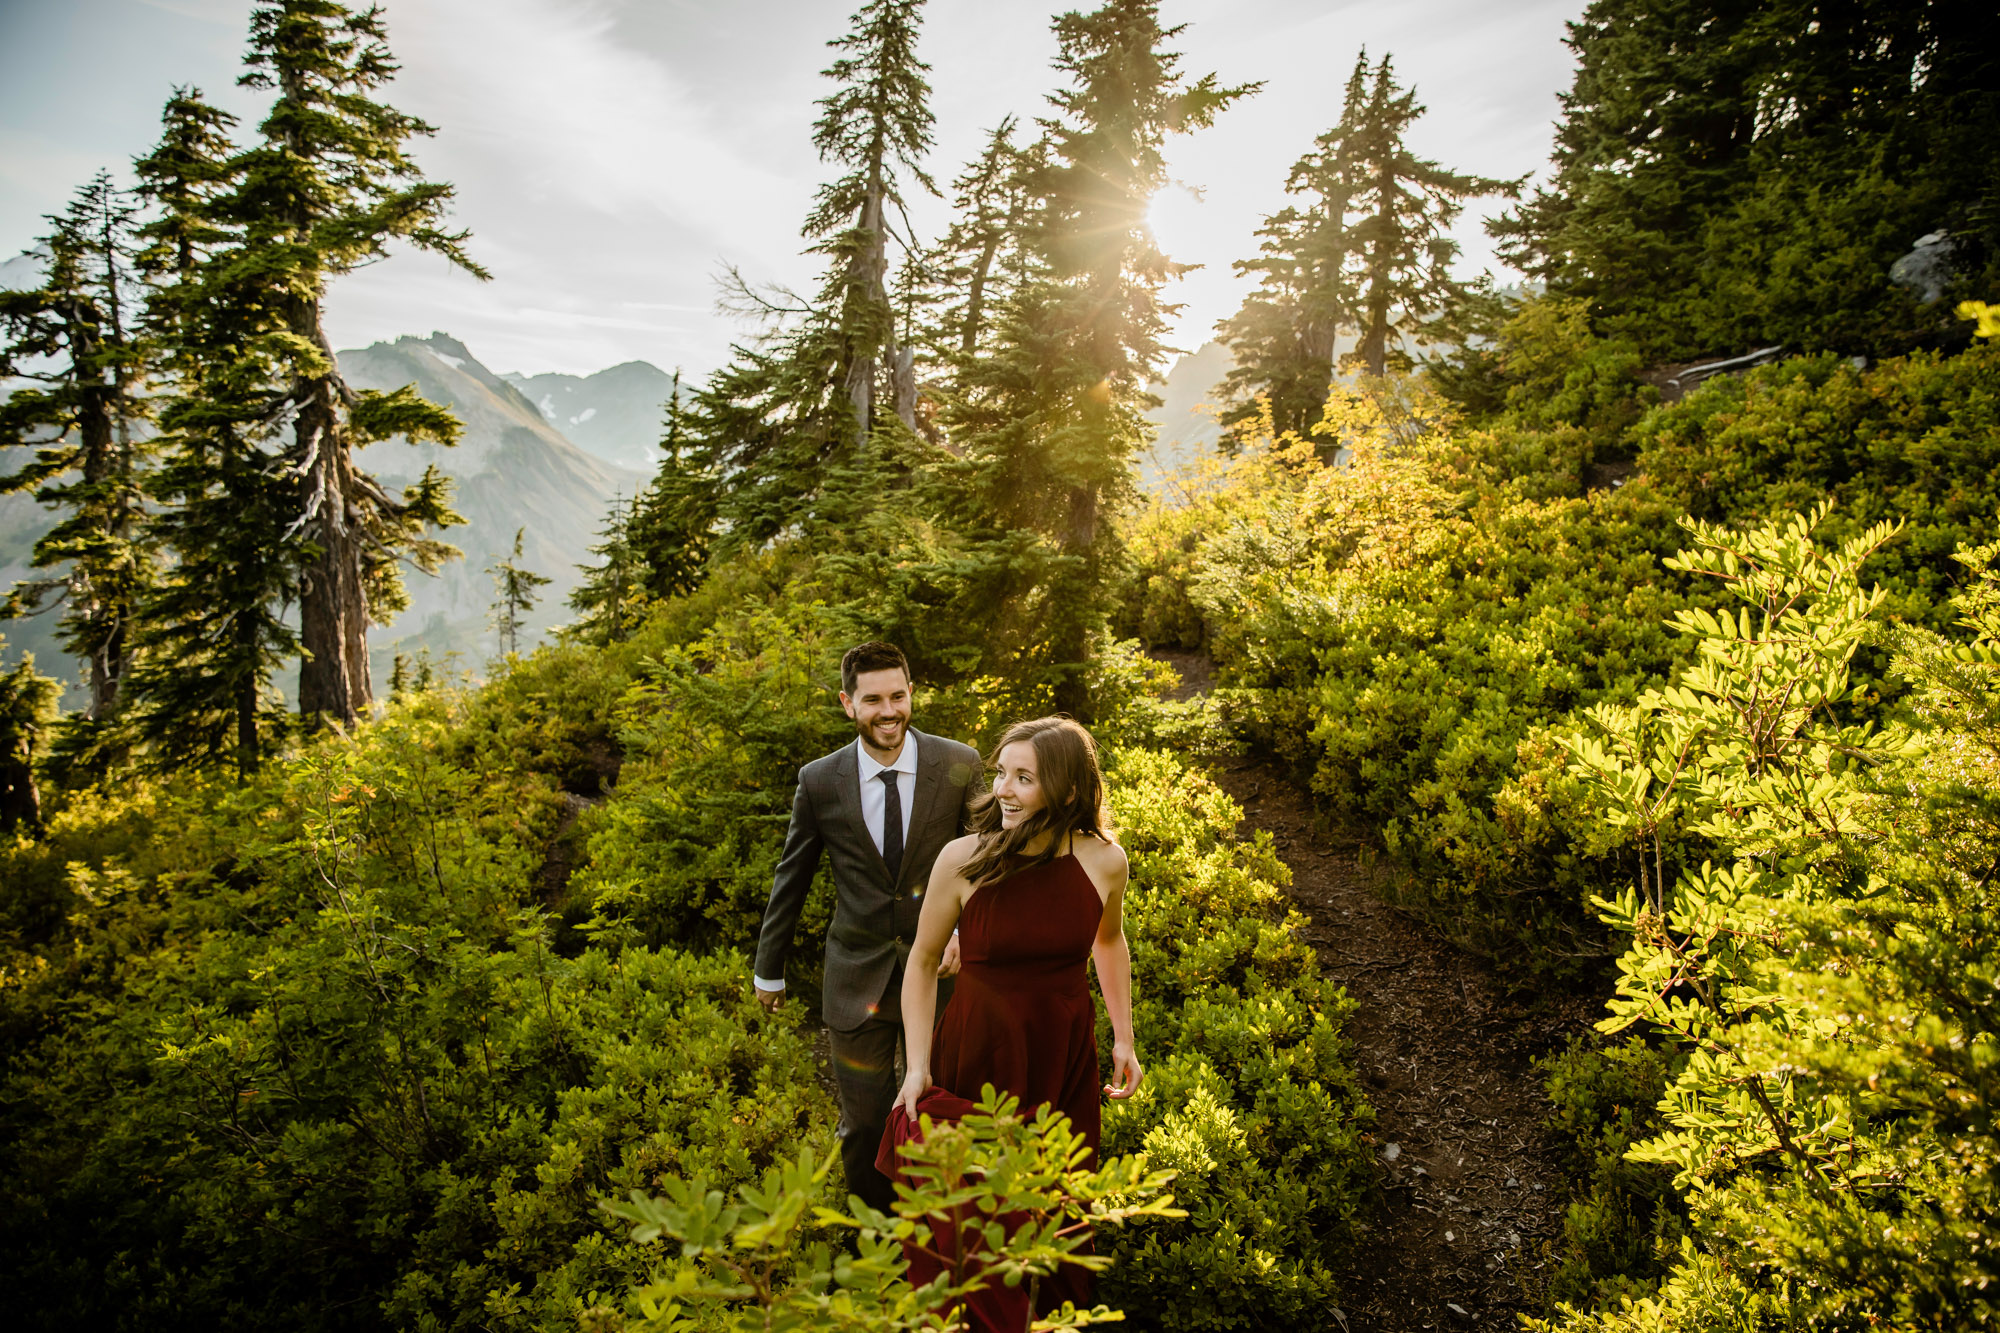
892,825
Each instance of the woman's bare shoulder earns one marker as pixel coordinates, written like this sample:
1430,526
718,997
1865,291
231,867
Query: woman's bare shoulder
957,852
1100,856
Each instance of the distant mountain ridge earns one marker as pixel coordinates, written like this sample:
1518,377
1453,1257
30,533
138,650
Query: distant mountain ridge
618,414
512,469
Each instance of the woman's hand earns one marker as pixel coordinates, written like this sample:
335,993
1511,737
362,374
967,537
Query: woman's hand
1126,1075
915,1084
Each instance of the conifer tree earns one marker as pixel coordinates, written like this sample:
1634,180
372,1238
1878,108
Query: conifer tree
1283,339
1759,186
327,189
27,706
76,341
1052,417
980,259
1367,253
514,586
674,519
212,631
808,396
1405,204
212,628
610,597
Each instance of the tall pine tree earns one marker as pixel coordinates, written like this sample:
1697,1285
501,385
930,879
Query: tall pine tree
212,630
654,548
327,189
514,591
1757,185
27,709
1051,419
981,259
76,340
1285,336
785,413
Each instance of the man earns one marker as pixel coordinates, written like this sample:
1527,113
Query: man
881,808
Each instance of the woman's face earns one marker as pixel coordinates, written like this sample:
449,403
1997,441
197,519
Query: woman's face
1017,786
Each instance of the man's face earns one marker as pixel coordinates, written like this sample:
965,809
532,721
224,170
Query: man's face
880,707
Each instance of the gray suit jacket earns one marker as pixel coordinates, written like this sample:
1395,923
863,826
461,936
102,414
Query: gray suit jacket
874,919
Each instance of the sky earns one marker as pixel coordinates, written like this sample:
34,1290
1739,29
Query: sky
612,156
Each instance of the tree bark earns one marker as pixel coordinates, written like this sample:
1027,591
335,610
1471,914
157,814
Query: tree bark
905,374
1072,692
975,298
333,610
20,798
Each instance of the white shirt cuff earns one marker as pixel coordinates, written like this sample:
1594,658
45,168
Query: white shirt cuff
762,984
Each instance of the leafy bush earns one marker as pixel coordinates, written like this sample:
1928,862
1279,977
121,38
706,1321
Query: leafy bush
716,729
1404,635
312,1059
1623,1226
1249,1092
751,1264
1915,439
1825,983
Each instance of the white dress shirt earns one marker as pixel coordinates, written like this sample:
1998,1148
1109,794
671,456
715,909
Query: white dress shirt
875,803
874,800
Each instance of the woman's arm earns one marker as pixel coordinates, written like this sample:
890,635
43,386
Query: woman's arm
943,901
1113,957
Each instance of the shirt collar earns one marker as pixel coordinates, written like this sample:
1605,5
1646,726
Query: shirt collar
906,762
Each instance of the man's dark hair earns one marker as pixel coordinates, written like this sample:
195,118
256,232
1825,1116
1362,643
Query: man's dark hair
871,656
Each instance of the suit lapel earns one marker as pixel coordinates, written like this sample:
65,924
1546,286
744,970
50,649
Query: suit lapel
930,763
847,791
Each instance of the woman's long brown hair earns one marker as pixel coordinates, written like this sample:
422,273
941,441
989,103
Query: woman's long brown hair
1072,784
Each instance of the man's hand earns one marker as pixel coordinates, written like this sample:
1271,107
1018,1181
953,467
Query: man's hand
772,1000
948,963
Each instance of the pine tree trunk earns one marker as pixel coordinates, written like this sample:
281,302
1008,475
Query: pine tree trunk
1072,642
20,797
868,277
905,374
1374,347
246,709
975,298
86,602
333,611
1375,337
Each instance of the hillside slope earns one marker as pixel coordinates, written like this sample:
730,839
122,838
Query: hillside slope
514,471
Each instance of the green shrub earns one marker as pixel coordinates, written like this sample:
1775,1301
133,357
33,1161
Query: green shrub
1826,979
1404,643
1623,1226
1249,1095
311,1059
749,1265
715,731
1914,439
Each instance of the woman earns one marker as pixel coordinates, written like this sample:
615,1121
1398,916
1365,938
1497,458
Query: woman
1034,890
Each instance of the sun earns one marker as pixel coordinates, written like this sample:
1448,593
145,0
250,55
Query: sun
1176,217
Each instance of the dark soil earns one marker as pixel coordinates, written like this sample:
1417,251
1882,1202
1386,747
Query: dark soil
1470,1189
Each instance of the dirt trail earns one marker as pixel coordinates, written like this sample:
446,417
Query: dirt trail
1470,1190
